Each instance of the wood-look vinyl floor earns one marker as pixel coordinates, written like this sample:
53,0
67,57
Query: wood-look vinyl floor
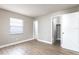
35,47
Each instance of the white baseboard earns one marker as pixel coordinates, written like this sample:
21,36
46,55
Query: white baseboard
44,41
14,43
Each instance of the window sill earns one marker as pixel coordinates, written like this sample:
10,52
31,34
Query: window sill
15,33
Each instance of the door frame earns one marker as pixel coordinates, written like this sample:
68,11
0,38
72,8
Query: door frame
53,28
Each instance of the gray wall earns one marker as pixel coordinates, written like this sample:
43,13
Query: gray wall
5,37
45,28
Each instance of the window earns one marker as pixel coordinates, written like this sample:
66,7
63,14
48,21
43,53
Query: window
16,26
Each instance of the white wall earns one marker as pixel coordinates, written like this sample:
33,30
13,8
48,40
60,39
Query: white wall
5,37
44,28
44,24
70,28
57,20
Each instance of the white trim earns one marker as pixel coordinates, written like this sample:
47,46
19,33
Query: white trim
14,43
51,29
44,41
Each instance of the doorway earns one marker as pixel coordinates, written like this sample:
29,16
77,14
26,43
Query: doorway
35,29
57,36
56,23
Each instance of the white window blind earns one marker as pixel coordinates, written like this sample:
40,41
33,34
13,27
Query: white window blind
16,26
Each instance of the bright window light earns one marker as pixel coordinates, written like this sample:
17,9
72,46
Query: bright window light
16,26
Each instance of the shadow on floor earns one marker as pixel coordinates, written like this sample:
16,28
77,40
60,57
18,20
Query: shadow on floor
57,43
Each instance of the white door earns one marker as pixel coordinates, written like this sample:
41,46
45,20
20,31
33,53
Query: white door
70,31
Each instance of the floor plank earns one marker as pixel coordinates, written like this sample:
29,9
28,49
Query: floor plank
35,47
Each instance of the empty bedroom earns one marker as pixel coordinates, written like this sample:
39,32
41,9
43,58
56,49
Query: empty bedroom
39,29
